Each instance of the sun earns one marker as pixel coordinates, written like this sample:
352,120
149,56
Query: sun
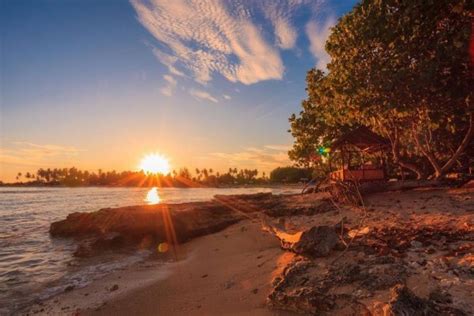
155,163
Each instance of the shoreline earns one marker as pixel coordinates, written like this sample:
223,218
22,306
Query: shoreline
237,186
205,269
422,239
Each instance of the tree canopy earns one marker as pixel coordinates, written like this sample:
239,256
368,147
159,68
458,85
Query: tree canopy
401,68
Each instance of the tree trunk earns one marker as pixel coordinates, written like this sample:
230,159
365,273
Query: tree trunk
399,161
427,153
465,142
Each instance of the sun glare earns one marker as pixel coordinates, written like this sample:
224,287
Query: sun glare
155,163
152,197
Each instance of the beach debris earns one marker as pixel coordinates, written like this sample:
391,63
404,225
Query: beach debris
204,276
255,291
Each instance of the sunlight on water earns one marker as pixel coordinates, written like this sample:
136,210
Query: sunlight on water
152,196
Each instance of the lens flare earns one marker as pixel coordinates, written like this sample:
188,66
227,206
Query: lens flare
163,247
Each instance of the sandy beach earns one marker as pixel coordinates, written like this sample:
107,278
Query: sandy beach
236,270
229,272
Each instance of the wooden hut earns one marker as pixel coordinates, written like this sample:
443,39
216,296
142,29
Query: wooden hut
353,150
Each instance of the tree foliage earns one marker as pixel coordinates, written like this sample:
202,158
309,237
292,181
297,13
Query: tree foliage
289,174
402,68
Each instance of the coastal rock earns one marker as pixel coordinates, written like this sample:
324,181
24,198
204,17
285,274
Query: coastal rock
317,241
311,288
143,225
405,302
278,205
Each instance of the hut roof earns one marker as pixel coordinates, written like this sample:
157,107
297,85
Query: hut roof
362,138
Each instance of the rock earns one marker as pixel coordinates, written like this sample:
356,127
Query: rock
229,284
416,244
143,225
404,302
115,287
440,296
69,288
317,241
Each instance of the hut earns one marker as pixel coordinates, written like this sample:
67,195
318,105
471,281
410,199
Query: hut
360,156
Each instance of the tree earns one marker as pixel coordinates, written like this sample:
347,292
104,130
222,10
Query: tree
289,174
401,68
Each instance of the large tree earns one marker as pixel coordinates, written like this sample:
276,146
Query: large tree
402,68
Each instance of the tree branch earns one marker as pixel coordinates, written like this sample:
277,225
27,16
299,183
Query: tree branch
465,142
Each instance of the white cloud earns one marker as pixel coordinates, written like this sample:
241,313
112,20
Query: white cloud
170,86
202,95
227,97
317,35
207,37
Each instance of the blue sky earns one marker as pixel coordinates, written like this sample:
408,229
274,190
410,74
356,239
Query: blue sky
98,84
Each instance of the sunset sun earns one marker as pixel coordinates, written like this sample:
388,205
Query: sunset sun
155,163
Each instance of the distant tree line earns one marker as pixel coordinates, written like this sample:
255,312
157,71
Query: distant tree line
176,178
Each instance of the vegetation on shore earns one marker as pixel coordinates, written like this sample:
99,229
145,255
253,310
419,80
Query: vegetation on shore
403,69
176,178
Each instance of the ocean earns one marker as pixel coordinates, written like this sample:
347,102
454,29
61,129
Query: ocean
35,267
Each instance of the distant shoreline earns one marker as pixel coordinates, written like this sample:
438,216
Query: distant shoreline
256,185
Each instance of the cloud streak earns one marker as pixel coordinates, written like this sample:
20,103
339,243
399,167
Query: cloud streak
202,95
169,88
206,37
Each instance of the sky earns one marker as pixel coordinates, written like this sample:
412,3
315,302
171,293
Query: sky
207,83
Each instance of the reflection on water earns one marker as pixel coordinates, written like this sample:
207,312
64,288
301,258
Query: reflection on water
152,196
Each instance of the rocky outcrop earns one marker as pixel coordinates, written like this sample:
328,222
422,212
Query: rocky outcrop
310,288
145,225
278,205
405,302
148,224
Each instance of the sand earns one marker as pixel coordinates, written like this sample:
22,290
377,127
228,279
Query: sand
231,272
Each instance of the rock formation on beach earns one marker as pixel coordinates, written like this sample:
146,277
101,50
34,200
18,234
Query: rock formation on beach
148,225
